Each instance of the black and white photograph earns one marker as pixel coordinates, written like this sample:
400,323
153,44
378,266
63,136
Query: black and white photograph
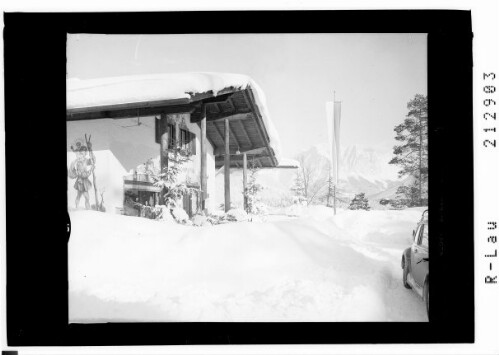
257,179
248,177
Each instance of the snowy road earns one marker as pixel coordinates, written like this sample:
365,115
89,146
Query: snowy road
309,268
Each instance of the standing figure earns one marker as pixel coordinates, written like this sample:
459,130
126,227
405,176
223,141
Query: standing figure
81,168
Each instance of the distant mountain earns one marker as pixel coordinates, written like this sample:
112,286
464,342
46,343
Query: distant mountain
362,169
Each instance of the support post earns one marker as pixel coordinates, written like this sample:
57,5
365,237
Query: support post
227,167
334,198
245,181
204,175
164,143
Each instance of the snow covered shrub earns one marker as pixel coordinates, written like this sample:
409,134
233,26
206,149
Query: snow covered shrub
359,202
399,203
384,201
236,215
163,214
217,214
216,217
180,215
199,220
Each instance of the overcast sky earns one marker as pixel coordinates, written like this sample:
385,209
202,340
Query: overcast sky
374,75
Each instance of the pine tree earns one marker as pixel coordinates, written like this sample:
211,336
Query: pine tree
298,188
407,196
359,202
412,154
172,190
330,191
252,190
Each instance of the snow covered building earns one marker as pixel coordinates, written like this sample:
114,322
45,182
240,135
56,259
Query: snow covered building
222,118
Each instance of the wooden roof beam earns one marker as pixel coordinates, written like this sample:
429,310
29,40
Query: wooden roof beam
215,105
232,134
231,104
220,151
119,113
212,124
223,115
231,116
241,123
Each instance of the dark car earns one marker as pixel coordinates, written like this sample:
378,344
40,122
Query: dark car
415,262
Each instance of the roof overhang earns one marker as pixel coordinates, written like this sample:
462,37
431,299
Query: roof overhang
248,132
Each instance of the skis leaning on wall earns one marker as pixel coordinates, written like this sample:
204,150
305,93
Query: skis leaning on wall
98,206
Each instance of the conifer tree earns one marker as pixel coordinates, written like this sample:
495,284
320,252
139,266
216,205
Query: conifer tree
359,202
298,188
412,152
173,190
252,190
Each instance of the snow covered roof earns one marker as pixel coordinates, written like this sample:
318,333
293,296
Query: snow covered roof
172,88
147,88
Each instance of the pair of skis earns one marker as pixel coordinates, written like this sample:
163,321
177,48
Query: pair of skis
98,206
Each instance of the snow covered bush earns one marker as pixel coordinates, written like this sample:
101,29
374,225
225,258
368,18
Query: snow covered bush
200,220
179,214
163,214
384,201
359,202
216,217
399,203
217,213
236,215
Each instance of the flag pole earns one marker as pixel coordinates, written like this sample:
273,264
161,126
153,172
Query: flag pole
334,182
333,113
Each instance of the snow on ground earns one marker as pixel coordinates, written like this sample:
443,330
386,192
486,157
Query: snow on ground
316,267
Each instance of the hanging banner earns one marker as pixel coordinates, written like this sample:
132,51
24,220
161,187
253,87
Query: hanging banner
333,112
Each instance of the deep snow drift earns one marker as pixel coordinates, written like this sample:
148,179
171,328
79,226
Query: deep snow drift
310,268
